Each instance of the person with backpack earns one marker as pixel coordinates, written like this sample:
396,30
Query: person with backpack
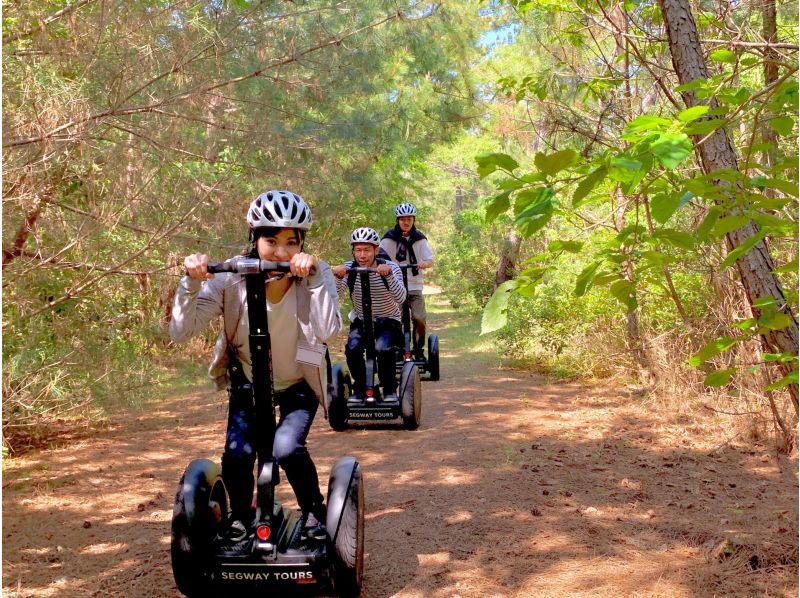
406,245
388,294
303,312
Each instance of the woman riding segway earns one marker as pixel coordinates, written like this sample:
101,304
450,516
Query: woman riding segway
303,314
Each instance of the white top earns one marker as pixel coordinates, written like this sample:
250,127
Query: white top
282,319
423,252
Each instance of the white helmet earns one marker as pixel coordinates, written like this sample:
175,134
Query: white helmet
405,209
365,235
281,209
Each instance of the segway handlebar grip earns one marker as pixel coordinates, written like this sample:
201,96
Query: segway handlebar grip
246,265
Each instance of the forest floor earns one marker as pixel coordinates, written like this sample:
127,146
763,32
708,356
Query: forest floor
514,485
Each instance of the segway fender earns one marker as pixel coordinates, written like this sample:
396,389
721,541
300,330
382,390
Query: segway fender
197,471
340,479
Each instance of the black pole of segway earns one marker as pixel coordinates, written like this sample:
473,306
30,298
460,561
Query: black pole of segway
261,355
369,333
406,318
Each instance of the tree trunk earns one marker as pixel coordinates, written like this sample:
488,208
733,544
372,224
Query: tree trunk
15,250
770,34
756,266
641,358
506,266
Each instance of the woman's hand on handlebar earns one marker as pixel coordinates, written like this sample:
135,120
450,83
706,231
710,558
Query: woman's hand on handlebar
340,271
303,264
197,266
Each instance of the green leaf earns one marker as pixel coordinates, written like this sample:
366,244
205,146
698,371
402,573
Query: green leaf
586,278
646,123
705,227
537,213
704,126
739,251
782,125
782,357
775,320
676,238
499,205
670,149
554,163
664,205
602,280
587,184
712,349
568,246
625,292
765,302
693,113
625,169
790,268
528,197
655,258
694,85
788,187
488,163
494,314
720,377
790,378
728,224
722,55
510,184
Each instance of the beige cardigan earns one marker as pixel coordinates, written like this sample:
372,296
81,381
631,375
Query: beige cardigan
197,303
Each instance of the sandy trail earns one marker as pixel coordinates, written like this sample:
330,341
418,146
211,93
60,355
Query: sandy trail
511,487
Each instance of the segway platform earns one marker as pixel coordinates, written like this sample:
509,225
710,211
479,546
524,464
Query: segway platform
285,560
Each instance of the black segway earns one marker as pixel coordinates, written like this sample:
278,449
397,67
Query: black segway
275,557
429,365
344,406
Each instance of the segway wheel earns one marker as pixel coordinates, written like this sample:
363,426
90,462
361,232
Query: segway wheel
433,357
411,396
337,401
199,513
346,526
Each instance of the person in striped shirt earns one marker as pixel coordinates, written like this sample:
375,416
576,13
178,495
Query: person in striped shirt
388,293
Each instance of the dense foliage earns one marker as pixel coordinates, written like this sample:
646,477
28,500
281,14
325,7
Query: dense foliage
594,227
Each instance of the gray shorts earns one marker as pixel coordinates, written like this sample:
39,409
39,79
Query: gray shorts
417,305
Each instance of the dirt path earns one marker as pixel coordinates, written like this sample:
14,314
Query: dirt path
511,487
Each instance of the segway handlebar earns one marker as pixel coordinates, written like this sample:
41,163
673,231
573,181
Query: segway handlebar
362,269
247,265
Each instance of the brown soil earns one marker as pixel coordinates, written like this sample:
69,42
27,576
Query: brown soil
513,486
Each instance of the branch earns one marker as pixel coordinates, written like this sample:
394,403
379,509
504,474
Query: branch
75,291
158,103
24,230
46,21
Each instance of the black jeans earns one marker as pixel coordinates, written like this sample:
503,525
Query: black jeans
298,404
388,336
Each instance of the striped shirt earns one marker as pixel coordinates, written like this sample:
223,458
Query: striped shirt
385,302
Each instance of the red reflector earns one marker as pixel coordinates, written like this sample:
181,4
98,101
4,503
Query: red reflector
263,532
370,392
408,355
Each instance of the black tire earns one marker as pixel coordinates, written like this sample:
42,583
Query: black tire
200,512
411,396
346,526
339,390
433,357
